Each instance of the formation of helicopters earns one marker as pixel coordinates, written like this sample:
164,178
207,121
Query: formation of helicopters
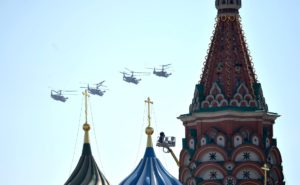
99,89
131,76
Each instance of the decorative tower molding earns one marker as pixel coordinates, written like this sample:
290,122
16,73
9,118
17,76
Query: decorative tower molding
228,7
229,130
87,171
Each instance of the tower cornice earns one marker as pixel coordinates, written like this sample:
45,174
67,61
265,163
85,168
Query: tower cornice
226,115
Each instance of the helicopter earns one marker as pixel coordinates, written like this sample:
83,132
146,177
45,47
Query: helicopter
162,72
96,90
131,78
58,96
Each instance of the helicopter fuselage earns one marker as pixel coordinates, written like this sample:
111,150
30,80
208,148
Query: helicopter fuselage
59,97
161,73
131,79
96,91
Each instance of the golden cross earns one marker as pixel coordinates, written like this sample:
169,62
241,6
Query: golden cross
265,168
86,95
148,101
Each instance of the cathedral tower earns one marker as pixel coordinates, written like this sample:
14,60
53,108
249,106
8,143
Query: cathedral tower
229,130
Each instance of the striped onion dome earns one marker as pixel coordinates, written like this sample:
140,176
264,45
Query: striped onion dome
150,171
87,171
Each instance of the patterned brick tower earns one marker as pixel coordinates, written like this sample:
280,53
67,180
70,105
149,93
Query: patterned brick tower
229,130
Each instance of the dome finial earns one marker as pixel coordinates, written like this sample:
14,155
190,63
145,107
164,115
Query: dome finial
149,130
86,127
148,101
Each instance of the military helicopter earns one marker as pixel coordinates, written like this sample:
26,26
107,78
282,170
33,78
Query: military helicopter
96,90
131,78
58,96
162,72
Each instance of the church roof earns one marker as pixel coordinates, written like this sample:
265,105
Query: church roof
150,171
86,171
228,79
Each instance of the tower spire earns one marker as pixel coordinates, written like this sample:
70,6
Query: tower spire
228,80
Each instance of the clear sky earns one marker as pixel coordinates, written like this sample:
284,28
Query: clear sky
59,44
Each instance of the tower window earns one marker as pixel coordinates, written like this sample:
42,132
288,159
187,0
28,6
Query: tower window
231,1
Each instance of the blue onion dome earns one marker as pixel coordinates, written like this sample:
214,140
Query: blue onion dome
150,171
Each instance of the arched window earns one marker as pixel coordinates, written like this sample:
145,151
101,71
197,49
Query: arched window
211,174
248,173
211,156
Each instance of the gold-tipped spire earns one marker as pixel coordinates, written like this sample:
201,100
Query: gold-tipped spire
149,130
265,168
86,127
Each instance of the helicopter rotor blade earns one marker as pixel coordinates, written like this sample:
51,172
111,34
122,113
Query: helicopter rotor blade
143,73
69,91
71,94
128,69
165,65
100,83
124,73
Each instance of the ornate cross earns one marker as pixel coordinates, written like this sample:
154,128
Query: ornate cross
86,95
265,168
148,101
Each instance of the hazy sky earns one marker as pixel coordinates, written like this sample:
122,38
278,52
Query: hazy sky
57,44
